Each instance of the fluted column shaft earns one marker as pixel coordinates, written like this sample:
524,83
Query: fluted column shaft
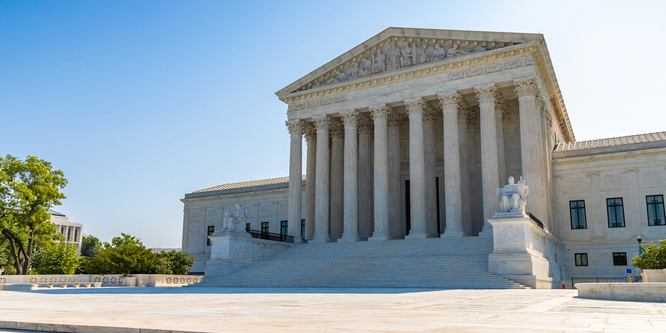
530,142
453,193
337,179
295,180
465,191
415,108
430,179
365,182
310,181
381,195
499,124
350,177
395,186
322,185
489,162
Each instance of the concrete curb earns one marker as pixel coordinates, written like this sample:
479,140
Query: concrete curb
53,327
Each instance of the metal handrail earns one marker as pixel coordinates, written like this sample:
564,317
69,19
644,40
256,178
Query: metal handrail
271,236
535,220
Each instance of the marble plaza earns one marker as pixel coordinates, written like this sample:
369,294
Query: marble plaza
411,140
194,309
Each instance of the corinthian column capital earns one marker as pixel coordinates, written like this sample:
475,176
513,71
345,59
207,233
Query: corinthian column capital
486,94
525,87
349,117
394,119
336,128
500,106
379,111
415,106
321,122
310,132
364,125
449,99
295,127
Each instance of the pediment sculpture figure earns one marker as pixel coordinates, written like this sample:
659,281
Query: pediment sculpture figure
437,53
366,67
379,64
393,56
421,55
513,197
406,56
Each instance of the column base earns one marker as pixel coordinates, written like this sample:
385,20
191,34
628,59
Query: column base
417,234
349,238
321,239
432,236
380,236
453,233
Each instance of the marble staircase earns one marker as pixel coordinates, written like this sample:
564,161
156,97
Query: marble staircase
447,263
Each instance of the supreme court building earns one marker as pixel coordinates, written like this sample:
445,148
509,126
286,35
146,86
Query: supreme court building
410,134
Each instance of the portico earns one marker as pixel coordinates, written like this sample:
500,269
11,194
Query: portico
421,146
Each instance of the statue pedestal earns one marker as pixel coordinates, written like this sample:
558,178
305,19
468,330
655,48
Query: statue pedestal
231,250
523,252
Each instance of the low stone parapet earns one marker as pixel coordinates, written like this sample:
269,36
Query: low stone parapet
88,281
644,292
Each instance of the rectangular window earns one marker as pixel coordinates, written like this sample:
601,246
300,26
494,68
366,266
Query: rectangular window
247,227
619,259
284,227
69,234
211,230
655,208
303,229
615,213
264,227
577,211
76,235
581,259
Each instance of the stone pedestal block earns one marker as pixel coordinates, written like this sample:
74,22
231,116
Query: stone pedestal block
232,250
521,250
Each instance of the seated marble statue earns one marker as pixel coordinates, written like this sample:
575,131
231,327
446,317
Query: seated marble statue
513,197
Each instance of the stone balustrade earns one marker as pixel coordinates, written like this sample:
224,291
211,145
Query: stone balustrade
115,280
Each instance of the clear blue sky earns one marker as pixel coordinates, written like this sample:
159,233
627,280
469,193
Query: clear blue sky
140,102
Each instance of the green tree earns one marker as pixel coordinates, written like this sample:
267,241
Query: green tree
177,262
27,190
653,257
91,246
55,258
6,261
125,255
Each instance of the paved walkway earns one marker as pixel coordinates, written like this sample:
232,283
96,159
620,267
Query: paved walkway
325,310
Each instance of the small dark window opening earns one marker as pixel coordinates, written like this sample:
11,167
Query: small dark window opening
581,259
619,259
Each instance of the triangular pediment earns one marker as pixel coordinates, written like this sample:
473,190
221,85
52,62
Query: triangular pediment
399,48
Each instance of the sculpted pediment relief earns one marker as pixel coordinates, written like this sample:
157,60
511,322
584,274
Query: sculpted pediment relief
396,53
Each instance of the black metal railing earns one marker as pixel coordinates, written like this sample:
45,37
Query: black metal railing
535,220
271,236
575,280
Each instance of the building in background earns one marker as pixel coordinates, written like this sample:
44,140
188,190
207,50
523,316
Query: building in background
72,232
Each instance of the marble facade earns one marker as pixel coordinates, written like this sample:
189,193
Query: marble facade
410,134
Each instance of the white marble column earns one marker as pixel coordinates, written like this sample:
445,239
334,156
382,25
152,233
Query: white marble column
499,123
322,186
337,178
464,147
530,144
415,108
295,179
429,118
365,178
395,183
380,177
450,102
486,96
351,176
310,180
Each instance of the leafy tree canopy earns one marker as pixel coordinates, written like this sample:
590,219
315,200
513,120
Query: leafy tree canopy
91,246
55,258
653,257
27,190
177,262
125,255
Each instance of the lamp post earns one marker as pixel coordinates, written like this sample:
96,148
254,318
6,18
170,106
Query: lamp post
640,249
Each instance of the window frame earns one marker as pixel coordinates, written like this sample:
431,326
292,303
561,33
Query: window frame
624,221
209,232
284,227
265,225
620,255
581,256
577,210
655,206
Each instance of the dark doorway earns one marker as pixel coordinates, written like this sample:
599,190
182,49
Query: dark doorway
439,226
408,224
